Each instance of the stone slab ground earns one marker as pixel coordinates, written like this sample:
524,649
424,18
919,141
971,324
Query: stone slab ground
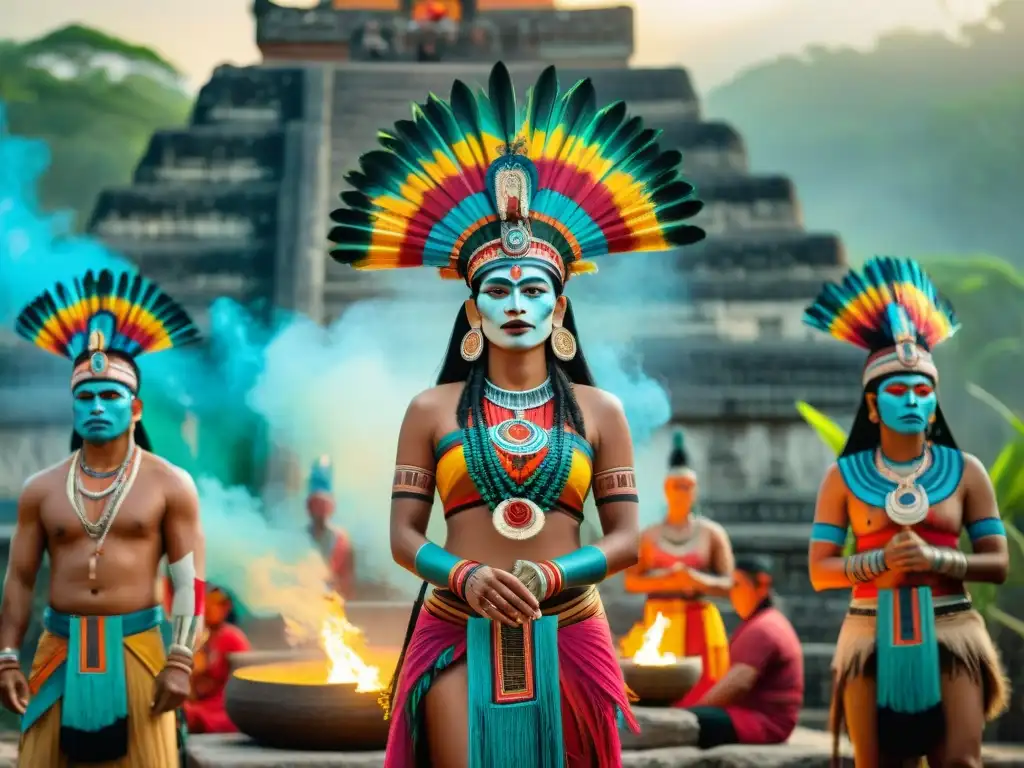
659,745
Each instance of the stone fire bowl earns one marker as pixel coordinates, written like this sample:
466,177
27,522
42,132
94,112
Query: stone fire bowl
664,685
288,705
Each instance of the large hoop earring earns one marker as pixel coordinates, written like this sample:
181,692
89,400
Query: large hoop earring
473,342
563,344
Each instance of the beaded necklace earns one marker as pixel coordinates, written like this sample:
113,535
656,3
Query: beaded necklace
518,507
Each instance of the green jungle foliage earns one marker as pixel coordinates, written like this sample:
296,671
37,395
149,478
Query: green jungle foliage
96,100
913,147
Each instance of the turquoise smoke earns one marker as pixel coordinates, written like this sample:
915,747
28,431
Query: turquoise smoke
341,390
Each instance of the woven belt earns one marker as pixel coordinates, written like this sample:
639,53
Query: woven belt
944,606
571,607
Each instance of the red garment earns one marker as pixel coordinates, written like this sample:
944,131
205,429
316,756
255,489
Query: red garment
206,713
768,714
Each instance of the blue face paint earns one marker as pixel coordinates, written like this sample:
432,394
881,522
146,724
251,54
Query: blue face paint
517,306
102,410
906,404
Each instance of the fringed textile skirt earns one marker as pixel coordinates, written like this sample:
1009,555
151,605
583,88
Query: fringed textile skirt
93,682
964,647
695,629
508,682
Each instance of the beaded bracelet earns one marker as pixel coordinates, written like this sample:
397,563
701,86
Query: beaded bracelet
866,566
459,576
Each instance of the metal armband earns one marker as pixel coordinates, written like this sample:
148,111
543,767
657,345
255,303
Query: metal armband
413,483
617,484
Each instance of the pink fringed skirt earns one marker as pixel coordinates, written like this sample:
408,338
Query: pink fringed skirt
594,697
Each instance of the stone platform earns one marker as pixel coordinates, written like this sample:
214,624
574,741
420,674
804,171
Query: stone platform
661,744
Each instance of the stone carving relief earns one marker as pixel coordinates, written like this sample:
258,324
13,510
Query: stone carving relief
209,226
234,113
25,452
761,215
742,459
196,170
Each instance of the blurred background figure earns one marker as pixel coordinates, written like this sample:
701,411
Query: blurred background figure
374,45
333,543
683,561
205,712
758,700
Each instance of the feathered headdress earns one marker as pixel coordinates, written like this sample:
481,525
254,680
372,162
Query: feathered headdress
678,458
476,180
321,477
101,313
893,310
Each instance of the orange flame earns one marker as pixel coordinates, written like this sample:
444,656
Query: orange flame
649,653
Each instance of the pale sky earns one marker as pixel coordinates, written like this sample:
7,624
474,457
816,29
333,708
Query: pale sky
713,38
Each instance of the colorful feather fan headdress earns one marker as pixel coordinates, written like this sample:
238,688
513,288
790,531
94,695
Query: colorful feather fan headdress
893,310
101,313
475,181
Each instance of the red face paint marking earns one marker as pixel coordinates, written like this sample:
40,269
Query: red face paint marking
897,389
516,272
922,390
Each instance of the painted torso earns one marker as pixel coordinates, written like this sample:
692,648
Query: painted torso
455,485
129,564
872,527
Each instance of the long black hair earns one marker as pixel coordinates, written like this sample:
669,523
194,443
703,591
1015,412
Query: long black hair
866,435
141,436
563,374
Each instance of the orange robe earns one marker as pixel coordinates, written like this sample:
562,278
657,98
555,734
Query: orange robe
206,712
695,623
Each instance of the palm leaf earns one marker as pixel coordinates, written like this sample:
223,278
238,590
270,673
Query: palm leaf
834,437
997,405
831,434
1014,534
1010,622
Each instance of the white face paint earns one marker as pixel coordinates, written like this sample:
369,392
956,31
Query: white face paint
517,306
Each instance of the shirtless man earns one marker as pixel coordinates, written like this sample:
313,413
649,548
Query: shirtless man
913,658
102,690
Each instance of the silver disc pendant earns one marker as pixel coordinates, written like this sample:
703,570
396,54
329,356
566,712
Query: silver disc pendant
907,504
518,519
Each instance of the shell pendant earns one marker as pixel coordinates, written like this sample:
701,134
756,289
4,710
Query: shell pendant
907,504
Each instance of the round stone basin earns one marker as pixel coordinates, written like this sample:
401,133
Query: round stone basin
290,705
662,685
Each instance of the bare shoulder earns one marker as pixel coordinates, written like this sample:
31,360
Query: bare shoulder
652,532
172,477
46,480
717,530
975,473
973,468
597,401
435,399
833,482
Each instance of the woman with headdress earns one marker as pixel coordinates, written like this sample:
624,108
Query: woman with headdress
916,672
510,661
683,561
